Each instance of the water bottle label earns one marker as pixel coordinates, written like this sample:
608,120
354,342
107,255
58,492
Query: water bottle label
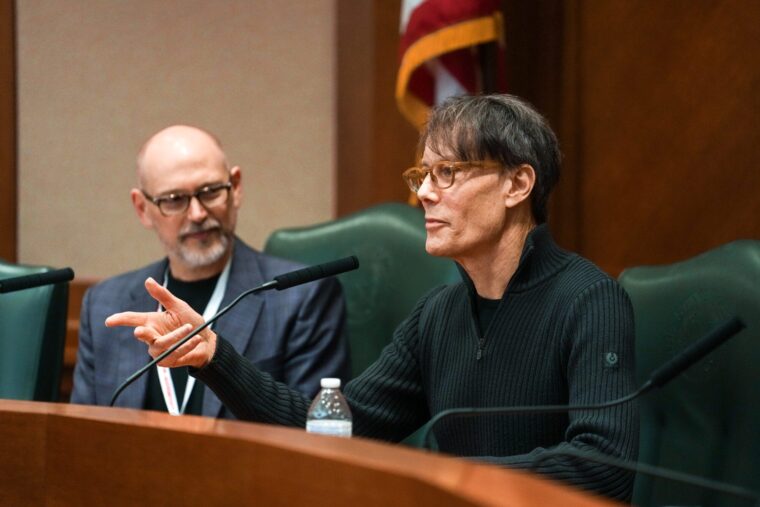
329,427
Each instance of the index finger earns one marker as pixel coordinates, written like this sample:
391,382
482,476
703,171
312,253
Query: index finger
132,319
161,294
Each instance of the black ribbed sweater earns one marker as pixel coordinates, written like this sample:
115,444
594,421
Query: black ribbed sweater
562,334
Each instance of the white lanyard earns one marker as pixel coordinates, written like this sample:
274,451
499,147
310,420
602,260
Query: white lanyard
164,375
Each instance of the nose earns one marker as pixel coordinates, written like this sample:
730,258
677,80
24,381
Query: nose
427,191
196,211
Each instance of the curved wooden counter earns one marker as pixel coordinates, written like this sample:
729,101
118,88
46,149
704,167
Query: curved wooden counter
55,454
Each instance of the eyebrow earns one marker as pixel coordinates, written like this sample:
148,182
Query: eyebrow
187,192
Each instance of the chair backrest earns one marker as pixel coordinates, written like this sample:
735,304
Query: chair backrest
32,337
707,422
394,269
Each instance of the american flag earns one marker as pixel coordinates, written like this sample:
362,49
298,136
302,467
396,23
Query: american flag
439,52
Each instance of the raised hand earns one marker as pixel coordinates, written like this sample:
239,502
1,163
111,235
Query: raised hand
160,330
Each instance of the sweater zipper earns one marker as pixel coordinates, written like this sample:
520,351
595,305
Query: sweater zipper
482,339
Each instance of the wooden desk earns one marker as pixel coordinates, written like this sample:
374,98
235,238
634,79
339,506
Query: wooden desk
56,454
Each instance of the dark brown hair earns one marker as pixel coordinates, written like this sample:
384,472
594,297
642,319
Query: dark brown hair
501,128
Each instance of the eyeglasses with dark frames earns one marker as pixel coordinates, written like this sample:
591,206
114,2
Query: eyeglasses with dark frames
176,204
442,173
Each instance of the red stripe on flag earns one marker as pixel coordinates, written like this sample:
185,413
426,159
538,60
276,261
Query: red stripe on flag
432,15
422,85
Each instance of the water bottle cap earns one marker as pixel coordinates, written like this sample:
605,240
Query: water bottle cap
330,383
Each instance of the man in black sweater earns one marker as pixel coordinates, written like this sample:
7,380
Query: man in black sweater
531,324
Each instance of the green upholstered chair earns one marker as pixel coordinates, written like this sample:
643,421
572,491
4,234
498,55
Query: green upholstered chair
394,269
707,422
32,337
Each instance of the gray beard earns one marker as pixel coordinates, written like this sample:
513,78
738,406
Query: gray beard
207,255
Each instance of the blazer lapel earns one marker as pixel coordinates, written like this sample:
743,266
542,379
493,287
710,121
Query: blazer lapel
238,325
133,354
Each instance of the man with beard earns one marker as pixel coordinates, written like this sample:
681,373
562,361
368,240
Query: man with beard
188,194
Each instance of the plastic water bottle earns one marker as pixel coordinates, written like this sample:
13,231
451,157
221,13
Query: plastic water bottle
329,413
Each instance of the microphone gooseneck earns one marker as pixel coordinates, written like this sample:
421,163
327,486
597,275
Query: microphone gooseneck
36,280
658,378
695,352
524,409
651,470
280,282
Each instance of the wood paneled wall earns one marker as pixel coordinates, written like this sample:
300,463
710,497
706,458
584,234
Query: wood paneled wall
77,289
8,213
375,143
666,129
654,103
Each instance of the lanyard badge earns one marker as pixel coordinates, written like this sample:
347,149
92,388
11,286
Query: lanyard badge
164,375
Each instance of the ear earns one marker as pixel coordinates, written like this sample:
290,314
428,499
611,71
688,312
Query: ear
140,203
236,178
519,185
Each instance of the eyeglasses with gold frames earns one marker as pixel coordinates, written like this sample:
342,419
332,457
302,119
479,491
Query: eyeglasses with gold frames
176,204
442,173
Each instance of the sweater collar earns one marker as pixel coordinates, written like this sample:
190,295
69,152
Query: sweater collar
540,259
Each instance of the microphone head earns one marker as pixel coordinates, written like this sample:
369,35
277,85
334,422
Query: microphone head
316,272
352,262
36,280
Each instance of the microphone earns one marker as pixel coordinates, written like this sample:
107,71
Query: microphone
280,282
658,378
317,272
36,280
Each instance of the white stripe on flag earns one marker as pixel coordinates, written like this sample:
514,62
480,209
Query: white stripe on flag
446,85
407,7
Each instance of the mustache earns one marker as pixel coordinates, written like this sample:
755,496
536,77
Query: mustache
207,225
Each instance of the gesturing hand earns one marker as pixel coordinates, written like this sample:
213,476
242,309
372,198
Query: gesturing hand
160,330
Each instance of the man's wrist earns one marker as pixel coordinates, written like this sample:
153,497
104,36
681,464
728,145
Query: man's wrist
212,348
211,341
